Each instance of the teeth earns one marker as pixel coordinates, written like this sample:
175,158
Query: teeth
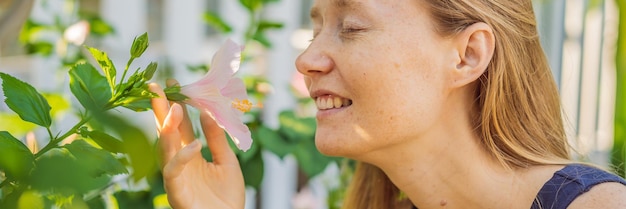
330,102
337,102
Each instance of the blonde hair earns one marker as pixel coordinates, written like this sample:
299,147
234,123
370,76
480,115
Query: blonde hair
518,113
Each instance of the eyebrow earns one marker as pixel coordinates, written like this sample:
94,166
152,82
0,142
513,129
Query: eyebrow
341,4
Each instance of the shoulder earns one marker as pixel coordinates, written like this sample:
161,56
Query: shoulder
604,195
582,186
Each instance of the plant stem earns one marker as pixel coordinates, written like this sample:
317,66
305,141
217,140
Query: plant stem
252,26
54,142
130,61
49,133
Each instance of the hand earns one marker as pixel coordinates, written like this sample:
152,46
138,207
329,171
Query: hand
190,181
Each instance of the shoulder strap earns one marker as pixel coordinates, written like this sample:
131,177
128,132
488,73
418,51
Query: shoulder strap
569,183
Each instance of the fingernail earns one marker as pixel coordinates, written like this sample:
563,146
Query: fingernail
171,82
176,107
193,145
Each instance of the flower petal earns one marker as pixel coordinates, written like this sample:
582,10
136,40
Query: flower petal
235,89
229,119
225,63
197,91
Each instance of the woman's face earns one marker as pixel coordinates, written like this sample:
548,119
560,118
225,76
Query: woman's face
377,71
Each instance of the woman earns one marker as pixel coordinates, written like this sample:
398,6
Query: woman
449,101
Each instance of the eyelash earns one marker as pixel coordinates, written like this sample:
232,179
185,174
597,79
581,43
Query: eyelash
351,30
350,33
346,32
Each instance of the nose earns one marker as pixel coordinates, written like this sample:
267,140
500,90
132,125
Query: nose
315,60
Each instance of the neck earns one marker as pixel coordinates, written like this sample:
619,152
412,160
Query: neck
450,169
456,174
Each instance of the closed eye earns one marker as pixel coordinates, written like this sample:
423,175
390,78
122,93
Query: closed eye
352,30
350,33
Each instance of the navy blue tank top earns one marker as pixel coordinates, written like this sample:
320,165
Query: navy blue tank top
570,182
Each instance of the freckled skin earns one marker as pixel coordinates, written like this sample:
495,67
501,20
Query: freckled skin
392,102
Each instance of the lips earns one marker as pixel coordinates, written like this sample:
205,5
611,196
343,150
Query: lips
327,102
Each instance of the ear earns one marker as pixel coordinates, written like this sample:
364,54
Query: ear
475,47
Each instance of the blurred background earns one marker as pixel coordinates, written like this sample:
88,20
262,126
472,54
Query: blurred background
41,39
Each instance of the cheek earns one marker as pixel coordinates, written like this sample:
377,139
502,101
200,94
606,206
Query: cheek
404,100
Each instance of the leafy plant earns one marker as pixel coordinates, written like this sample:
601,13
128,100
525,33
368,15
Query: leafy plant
257,26
64,171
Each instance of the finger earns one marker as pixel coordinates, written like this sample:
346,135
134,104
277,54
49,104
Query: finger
169,141
186,127
181,159
160,105
216,140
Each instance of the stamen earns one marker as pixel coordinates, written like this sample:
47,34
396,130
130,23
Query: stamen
244,105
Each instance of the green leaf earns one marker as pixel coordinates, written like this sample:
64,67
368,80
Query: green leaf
310,160
266,24
253,171
251,5
98,203
135,94
138,147
106,141
90,88
11,122
136,80
24,100
295,128
140,44
216,22
134,200
10,200
29,30
59,171
140,91
262,39
89,156
149,71
97,26
137,104
40,47
105,64
201,68
173,94
273,141
16,160
206,153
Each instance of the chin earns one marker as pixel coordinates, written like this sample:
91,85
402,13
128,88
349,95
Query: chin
337,147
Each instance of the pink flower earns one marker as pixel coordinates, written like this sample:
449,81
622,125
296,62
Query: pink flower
222,95
77,33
